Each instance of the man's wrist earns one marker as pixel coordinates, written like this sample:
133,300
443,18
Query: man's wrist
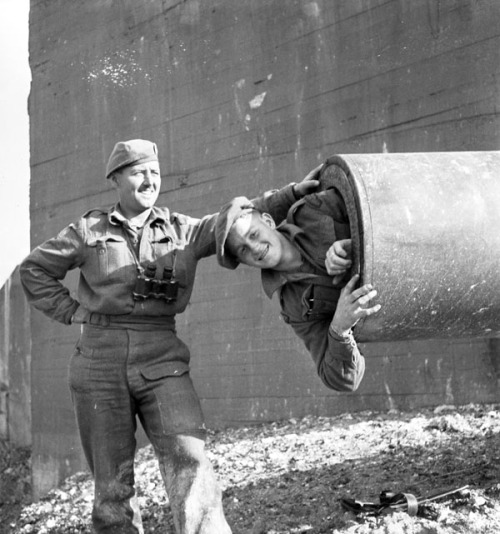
344,337
342,334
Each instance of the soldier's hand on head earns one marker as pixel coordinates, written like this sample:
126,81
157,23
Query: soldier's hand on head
309,184
353,305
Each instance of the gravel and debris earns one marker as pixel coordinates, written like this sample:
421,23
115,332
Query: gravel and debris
288,477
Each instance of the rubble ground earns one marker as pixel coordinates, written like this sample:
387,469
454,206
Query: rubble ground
288,477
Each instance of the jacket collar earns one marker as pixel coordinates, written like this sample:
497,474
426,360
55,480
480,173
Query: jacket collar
157,216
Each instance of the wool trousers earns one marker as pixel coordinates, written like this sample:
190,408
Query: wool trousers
119,376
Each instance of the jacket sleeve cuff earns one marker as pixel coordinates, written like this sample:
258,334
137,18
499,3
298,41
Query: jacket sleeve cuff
348,348
70,318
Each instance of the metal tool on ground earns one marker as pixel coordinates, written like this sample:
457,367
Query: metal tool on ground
389,501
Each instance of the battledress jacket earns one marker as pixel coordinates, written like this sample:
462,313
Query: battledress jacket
308,297
107,251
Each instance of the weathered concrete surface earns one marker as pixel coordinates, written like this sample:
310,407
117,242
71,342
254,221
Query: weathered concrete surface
15,361
240,97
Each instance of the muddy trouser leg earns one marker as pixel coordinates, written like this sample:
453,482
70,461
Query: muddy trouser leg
170,412
106,421
194,493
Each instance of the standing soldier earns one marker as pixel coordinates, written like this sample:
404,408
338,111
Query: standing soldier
137,267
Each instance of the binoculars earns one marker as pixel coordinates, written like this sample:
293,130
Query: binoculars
148,286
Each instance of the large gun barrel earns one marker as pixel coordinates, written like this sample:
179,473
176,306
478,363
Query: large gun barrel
426,234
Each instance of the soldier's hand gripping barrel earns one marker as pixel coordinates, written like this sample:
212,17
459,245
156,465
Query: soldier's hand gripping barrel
426,234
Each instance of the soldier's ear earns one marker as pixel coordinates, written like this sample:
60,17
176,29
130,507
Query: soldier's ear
113,178
268,220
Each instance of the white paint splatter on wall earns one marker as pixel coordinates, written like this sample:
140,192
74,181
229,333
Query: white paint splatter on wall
312,9
121,69
256,102
245,119
241,95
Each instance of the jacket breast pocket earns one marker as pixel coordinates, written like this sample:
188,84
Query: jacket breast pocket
108,253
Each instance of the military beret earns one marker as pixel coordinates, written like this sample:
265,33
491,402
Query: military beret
228,214
131,152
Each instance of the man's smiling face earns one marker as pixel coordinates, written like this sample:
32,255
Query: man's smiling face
254,240
138,187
